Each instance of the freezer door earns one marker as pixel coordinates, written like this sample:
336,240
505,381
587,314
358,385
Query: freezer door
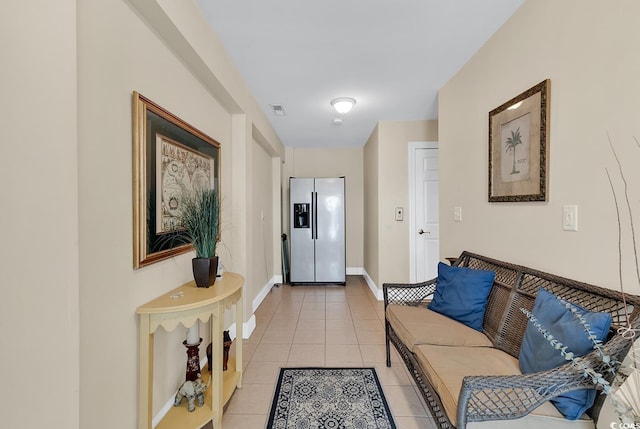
330,230
301,222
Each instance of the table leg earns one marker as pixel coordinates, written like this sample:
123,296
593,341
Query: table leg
216,373
145,397
239,332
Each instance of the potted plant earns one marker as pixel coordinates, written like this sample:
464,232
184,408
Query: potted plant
201,220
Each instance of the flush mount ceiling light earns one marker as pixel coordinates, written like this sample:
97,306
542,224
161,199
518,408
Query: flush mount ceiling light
343,104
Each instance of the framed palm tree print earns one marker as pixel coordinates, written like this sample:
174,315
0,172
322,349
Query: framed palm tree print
519,147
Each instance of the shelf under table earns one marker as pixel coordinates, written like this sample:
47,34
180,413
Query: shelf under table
180,417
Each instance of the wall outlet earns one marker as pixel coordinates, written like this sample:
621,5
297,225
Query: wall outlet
399,214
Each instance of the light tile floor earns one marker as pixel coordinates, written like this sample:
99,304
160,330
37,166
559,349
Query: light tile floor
332,326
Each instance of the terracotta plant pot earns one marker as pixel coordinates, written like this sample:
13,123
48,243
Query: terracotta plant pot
205,271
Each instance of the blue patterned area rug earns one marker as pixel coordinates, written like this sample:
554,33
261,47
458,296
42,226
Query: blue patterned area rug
329,398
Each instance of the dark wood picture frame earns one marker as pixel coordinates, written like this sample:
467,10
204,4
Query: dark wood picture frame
169,156
519,147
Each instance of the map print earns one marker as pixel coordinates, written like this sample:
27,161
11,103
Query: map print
179,170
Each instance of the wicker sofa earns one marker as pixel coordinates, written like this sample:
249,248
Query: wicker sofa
472,379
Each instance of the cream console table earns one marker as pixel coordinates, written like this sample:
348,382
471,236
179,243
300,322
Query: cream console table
186,305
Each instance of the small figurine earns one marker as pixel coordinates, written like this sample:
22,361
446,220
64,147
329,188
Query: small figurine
226,345
192,390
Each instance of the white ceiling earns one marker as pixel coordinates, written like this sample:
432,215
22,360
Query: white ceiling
392,56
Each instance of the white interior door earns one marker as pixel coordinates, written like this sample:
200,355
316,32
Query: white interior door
425,219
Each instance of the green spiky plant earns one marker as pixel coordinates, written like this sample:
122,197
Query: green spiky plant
201,219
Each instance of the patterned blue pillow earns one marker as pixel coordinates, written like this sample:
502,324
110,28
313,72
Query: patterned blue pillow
537,354
462,293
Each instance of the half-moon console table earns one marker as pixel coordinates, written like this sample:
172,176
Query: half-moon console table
186,305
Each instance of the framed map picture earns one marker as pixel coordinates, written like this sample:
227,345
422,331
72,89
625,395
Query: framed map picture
519,147
170,159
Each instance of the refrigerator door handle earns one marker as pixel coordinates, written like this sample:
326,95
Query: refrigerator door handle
312,217
315,215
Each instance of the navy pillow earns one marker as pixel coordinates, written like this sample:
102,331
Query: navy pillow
536,354
461,294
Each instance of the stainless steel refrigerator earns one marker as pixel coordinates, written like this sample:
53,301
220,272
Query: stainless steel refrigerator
317,230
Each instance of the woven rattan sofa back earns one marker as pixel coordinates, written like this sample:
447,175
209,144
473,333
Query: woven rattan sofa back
516,287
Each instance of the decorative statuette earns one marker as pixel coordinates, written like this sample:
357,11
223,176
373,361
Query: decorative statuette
192,390
226,345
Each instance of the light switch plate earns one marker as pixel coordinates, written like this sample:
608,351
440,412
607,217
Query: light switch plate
570,218
457,214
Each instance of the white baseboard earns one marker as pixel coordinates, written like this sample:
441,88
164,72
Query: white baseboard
374,289
360,271
264,292
355,271
247,328
163,411
250,325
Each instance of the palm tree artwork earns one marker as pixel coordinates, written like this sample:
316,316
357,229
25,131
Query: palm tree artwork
511,144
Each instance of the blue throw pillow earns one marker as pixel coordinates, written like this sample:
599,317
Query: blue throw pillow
461,294
537,354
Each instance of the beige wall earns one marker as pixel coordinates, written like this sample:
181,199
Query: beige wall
323,162
589,53
371,202
262,219
174,60
110,289
387,187
39,171
393,188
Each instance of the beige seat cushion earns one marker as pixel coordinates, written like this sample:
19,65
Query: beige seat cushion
419,325
445,367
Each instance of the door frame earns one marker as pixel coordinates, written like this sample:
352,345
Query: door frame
413,147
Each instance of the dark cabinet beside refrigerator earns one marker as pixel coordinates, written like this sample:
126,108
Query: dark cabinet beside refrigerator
317,230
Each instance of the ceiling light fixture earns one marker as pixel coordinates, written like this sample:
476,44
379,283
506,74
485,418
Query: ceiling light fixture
343,105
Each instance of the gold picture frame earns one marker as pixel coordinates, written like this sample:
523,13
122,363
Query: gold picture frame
170,157
519,147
